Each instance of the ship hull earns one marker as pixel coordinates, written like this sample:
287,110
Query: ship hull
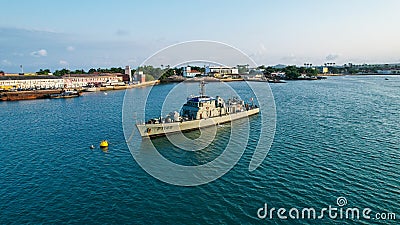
92,89
155,130
27,95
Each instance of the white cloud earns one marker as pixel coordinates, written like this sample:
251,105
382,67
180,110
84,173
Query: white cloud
121,32
5,62
70,48
63,62
40,53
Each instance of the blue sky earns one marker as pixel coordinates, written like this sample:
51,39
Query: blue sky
85,34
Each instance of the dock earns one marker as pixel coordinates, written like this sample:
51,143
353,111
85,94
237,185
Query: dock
27,95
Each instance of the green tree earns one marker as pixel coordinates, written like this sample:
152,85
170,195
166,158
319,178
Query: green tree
334,70
43,72
302,69
171,72
111,70
243,69
91,71
311,72
262,67
352,70
149,77
150,70
81,71
291,72
268,70
116,70
60,73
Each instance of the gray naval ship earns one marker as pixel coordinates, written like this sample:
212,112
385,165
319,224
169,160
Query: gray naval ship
198,112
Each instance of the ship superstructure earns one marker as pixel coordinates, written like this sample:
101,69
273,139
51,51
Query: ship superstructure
196,109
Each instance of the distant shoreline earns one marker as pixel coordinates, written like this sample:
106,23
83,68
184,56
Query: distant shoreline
360,74
45,93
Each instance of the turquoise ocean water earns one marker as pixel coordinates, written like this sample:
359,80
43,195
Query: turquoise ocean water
334,138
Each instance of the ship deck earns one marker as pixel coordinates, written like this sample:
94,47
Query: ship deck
161,129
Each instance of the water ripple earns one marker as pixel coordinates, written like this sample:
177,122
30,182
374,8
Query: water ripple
337,137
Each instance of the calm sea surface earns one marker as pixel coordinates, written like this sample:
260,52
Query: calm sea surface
338,137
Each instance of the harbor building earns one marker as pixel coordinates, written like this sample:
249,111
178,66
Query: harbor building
390,71
128,72
187,71
140,77
30,82
279,75
221,71
81,80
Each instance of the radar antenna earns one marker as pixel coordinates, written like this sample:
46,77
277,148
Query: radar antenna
202,88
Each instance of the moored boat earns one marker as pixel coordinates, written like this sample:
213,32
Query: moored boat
198,112
91,89
66,94
27,95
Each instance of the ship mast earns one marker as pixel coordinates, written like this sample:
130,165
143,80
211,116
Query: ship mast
202,88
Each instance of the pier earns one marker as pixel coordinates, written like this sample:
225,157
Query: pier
27,95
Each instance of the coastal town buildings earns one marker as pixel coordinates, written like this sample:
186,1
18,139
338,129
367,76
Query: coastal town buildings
390,71
128,74
220,71
139,77
187,71
81,80
10,82
30,82
34,81
280,75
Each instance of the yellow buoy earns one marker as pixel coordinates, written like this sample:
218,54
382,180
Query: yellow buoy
103,144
